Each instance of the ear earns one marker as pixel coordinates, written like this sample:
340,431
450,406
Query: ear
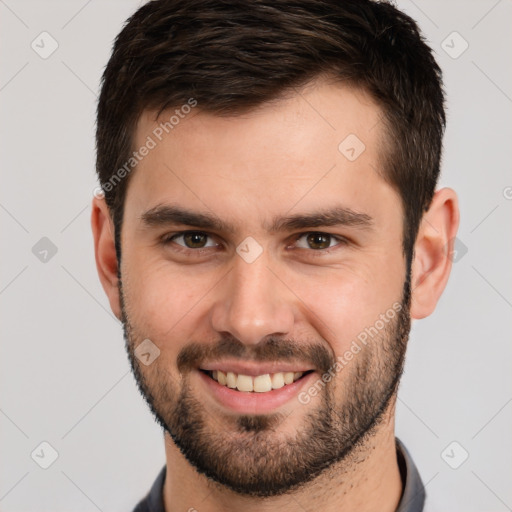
433,252
105,252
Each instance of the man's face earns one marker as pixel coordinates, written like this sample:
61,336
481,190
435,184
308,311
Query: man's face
263,298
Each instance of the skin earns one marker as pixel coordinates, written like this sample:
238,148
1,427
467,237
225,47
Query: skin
280,159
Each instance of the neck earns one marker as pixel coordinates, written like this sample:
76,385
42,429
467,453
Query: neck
368,480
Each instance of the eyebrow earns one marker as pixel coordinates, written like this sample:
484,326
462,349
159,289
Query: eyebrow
168,214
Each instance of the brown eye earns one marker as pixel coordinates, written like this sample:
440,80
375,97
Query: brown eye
191,240
319,240
195,240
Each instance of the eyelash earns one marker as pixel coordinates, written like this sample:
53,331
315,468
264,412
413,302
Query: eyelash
169,238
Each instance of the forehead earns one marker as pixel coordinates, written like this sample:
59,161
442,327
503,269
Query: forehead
321,143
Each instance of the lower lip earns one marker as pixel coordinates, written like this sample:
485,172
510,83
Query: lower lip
245,402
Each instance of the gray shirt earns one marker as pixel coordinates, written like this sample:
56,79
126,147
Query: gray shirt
412,500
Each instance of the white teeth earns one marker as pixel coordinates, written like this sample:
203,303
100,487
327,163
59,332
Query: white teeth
258,384
244,383
288,377
221,377
262,383
231,380
277,380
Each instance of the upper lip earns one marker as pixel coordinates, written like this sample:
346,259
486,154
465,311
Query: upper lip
254,368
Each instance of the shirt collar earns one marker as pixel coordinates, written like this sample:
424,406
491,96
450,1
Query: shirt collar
413,494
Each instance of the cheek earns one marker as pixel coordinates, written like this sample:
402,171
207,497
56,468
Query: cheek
344,302
164,302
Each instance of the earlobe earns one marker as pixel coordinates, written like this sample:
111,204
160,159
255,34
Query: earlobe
105,252
433,249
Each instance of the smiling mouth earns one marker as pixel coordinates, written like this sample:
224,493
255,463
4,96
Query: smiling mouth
255,384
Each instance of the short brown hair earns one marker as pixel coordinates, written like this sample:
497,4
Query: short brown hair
234,55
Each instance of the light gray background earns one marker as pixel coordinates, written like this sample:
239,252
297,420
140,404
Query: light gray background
65,378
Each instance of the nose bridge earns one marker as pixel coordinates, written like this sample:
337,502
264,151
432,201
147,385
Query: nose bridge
252,303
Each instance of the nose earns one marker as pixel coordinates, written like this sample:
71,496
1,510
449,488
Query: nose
252,303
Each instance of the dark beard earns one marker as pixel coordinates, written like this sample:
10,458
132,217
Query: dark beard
245,453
